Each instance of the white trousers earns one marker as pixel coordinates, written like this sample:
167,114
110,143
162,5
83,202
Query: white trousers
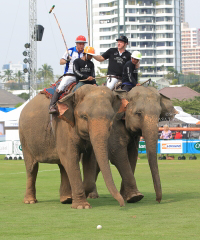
111,82
67,80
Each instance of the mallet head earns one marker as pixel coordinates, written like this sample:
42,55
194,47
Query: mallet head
52,8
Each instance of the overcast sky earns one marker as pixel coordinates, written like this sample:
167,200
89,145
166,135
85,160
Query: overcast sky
14,28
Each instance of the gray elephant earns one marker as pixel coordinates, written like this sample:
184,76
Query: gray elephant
88,115
145,107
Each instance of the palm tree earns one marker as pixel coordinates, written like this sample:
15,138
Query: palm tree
7,75
45,72
20,77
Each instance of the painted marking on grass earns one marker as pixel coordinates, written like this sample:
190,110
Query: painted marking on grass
162,163
25,172
11,164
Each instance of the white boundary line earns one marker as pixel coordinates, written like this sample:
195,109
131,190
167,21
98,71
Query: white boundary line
25,172
58,169
162,163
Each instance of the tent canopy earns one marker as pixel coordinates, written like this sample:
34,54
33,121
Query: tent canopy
185,117
12,115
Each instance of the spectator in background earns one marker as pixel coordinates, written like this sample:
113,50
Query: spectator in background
141,139
178,134
166,135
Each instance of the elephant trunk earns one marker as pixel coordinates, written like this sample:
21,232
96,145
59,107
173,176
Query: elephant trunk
150,134
98,130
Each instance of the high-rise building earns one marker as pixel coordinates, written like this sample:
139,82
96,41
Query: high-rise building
152,27
14,67
190,49
182,11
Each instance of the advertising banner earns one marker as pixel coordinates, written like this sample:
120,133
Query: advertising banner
6,147
193,146
171,146
17,148
142,147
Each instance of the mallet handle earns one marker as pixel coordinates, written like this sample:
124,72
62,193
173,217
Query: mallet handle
61,32
149,80
60,29
93,78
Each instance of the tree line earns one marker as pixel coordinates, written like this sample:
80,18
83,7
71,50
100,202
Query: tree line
15,81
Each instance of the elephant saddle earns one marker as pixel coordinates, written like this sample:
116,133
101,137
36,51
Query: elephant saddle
50,91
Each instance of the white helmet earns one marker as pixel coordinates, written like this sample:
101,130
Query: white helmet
136,55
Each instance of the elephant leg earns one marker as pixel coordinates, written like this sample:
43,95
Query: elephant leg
90,173
95,194
65,188
31,173
133,153
128,187
133,156
72,168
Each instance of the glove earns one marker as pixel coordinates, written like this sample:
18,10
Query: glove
66,56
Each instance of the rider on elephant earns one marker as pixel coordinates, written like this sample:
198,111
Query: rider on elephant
117,59
84,68
68,77
130,72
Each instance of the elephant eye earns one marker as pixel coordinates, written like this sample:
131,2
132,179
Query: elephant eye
138,113
83,116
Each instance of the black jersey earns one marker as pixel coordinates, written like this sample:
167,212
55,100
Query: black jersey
116,61
83,70
130,74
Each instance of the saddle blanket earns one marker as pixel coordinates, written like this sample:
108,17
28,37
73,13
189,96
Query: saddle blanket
50,91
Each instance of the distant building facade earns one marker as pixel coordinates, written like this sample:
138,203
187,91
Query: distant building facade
182,11
190,49
152,27
15,67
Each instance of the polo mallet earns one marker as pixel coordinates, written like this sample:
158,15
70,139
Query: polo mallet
51,11
149,80
87,23
83,80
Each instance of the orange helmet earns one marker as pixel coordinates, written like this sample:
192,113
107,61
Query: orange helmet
89,50
80,39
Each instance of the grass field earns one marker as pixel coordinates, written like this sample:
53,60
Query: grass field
176,217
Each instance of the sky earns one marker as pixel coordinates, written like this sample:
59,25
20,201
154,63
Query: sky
71,14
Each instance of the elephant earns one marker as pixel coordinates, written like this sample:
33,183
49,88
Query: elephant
145,107
83,127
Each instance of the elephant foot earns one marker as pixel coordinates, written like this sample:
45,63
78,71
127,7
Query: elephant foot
66,200
135,198
93,195
80,205
30,200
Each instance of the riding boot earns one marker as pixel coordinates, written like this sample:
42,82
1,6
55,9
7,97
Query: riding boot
52,106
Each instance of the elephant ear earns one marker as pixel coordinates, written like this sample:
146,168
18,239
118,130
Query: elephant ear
167,109
66,109
119,105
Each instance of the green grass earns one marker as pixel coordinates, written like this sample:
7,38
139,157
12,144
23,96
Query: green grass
176,217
